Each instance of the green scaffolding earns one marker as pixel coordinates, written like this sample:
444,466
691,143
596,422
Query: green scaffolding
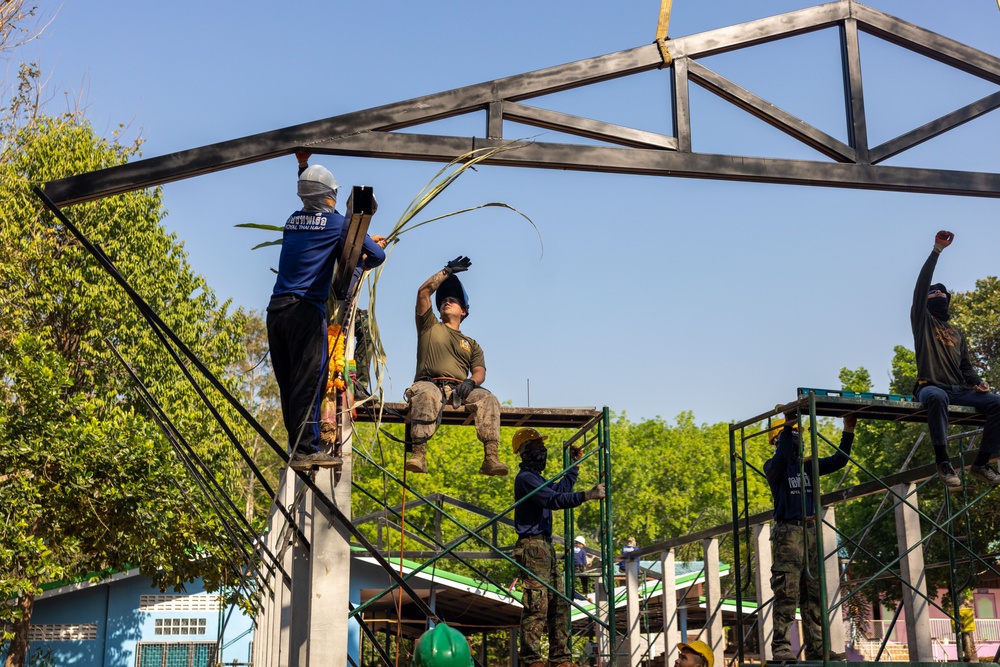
594,440
951,522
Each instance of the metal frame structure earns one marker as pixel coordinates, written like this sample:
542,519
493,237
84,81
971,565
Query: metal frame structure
900,498
325,515
855,164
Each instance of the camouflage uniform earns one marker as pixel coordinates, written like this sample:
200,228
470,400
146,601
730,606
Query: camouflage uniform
543,609
792,584
425,397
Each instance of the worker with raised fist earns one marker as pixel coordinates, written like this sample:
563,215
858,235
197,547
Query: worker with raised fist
945,375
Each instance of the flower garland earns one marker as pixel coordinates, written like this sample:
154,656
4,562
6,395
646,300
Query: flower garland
337,362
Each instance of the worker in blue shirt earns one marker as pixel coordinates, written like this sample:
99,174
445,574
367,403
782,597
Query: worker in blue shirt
542,609
793,537
311,244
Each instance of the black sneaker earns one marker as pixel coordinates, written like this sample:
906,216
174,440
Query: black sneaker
985,473
948,476
305,462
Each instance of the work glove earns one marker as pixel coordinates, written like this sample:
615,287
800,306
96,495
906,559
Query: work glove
458,265
943,240
461,392
595,493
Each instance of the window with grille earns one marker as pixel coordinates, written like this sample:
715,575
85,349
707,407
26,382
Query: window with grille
175,654
52,632
167,603
180,626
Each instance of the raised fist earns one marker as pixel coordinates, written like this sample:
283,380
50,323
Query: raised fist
944,239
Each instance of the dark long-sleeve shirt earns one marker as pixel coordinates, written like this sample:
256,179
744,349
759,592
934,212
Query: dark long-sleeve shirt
784,474
941,350
534,516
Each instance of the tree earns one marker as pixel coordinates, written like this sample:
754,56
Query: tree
91,484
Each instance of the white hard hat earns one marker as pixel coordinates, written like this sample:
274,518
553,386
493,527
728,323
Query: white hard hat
579,538
319,174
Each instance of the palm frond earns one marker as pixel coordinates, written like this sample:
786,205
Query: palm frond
258,225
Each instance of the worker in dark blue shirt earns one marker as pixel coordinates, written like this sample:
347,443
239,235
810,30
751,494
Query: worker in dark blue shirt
542,609
793,538
311,244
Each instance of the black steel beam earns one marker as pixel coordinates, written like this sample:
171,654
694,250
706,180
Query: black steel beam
368,133
650,162
770,114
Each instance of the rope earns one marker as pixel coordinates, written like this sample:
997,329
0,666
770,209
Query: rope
661,32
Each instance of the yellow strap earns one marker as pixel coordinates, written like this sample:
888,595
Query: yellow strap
661,31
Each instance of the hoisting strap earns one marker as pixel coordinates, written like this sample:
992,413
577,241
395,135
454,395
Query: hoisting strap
661,32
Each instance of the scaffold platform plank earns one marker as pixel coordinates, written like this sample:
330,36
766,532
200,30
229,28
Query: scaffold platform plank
575,418
898,408
832,405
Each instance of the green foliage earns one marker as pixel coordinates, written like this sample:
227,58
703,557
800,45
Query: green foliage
858,381
976,313
90,483
904,370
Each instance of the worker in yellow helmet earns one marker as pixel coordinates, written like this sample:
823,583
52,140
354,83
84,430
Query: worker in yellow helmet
542,609
695,654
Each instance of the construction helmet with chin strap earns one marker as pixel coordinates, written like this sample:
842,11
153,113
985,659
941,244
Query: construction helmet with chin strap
523,436
442,646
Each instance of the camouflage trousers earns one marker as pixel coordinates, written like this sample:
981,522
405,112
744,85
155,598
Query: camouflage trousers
425,399
794,587
543,610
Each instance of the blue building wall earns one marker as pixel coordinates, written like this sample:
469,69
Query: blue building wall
121,625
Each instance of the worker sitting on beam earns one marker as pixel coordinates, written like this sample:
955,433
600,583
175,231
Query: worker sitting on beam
451,368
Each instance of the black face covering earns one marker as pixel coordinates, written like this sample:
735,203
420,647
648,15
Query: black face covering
938,308
534,459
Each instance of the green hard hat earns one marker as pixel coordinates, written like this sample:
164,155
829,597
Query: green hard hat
442,646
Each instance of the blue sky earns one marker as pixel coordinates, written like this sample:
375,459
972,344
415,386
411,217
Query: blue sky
653,296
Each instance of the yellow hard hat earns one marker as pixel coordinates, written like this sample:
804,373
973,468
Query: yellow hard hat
524,435
702,649
775,430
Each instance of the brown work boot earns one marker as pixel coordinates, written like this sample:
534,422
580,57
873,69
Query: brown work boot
492,465
418,459
567,663
540,663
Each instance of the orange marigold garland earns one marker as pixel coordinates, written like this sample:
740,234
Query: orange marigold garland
337,362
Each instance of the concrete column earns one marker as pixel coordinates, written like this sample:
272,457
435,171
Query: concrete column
831,569
604,657
713,634
330,576
762,582
632,615
295,615
270,643
911,570
671,630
